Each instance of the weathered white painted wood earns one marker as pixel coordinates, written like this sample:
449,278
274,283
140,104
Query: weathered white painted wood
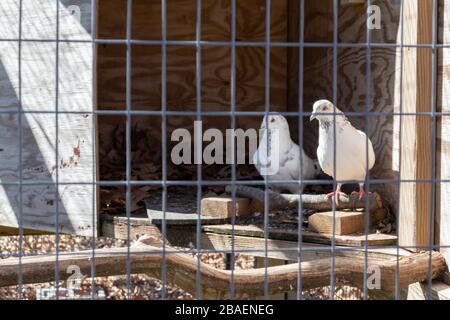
75,161
420,291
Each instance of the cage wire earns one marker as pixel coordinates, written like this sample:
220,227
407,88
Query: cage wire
198,43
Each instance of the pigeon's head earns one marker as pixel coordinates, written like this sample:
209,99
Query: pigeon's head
323,110
274,121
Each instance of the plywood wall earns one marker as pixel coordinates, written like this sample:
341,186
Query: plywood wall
38,94
351,79
146,86
181,64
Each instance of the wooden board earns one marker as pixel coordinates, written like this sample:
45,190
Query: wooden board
308,236
442,227
420,291
252,246
174,218
288,250
75,160
416,131
117,226
181,15
346,222
222,207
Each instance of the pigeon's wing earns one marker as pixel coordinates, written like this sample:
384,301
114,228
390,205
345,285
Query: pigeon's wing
260,156
291,163
371,153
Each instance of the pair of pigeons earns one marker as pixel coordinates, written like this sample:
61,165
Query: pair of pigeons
344,153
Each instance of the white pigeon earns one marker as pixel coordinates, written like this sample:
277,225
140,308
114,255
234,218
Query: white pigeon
350,150
283,155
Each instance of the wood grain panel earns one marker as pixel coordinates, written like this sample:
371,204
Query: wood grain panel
352,22
351,90
181,77
351,93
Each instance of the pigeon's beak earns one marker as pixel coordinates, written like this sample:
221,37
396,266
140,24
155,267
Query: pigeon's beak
313,116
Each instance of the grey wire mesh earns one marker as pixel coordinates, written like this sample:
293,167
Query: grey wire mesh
164,183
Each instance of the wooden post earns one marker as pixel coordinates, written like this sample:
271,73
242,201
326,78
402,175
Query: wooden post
416,146
442,226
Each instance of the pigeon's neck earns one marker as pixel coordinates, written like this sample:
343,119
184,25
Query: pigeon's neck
280,137
327,123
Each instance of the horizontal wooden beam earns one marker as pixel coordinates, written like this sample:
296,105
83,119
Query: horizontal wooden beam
9,231
276,249
288,250
307,236
215,283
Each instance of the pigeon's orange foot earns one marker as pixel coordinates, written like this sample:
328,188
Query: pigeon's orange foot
336,195
361,193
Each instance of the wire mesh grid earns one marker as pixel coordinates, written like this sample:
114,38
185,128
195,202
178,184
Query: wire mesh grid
232,114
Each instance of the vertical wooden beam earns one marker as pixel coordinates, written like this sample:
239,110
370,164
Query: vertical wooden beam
416,146
442,226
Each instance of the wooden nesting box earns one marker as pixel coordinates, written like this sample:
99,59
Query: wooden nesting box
76,163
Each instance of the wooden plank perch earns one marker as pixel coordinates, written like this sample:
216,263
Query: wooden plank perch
346,222
373,239
222,207
309,201
215,283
